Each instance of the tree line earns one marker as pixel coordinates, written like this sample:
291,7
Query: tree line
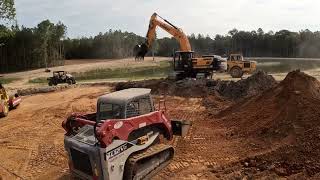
24,48
111,44
284,43
45,45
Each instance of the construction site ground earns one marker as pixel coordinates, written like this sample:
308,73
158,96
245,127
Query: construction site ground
263,130
32,136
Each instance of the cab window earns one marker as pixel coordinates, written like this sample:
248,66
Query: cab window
109,111
138,107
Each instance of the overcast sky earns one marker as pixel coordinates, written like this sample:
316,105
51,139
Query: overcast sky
89,17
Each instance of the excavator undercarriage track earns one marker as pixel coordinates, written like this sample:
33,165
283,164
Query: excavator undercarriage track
146,164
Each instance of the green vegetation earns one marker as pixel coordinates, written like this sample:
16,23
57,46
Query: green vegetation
111,44
126,73
7,80
30,48
40,80
256,43
286,65
45,45
7,10
162,70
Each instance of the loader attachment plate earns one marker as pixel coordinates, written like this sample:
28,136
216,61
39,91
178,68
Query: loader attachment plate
180,127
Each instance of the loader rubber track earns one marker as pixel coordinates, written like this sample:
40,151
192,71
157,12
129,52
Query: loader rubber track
159,152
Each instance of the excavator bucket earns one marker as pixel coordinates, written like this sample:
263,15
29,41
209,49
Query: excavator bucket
140,50
180,127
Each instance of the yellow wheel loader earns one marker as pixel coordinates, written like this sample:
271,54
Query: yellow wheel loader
237,66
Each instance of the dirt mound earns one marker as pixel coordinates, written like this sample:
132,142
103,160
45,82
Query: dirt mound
47,89
183,88
283,123
253,85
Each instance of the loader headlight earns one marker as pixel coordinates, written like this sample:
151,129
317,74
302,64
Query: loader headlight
95,171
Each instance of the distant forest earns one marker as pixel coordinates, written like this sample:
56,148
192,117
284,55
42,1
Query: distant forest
45,45
284,43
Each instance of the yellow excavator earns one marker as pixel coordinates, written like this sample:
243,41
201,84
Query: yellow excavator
185,64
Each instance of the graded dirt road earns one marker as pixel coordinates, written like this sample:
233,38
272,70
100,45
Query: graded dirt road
79,66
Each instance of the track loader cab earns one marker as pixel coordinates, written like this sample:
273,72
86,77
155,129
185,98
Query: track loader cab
237,66
124,104
122,140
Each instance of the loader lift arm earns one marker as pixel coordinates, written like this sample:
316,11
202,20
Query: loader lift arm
176,32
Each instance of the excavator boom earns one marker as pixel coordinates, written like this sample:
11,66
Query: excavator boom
158,21
185,64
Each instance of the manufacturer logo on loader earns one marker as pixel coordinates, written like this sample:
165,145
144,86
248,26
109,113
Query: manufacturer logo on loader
116,151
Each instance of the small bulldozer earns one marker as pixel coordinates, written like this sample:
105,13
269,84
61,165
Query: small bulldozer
7,102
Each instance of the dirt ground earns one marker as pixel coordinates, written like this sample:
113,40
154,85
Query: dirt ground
267,135
31,137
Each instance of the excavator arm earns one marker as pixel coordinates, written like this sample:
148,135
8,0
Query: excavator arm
177,33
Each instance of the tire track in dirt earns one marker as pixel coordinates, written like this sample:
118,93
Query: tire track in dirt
32,136
205,146
49,152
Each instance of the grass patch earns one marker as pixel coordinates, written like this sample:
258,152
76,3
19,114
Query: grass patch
40,80
286,65
163,69
4,80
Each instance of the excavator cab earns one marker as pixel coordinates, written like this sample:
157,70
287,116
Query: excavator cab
186,65
182,64
182,60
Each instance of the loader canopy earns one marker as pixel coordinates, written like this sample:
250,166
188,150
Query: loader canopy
124,104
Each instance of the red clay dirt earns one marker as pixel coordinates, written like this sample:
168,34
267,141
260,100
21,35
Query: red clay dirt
281,126
272,135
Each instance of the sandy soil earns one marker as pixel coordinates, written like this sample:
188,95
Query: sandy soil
31,137
31,143
204,147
